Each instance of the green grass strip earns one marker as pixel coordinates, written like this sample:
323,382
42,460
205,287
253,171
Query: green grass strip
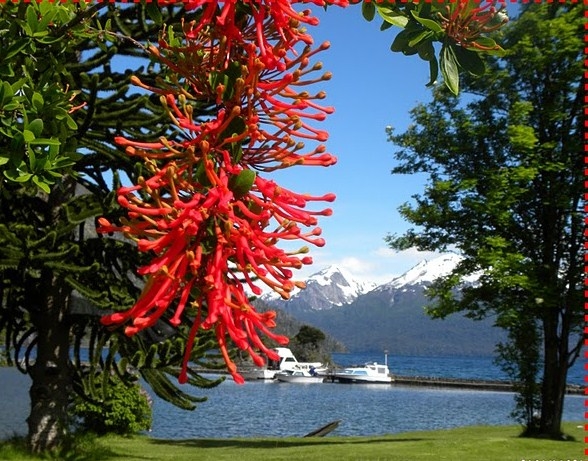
489,443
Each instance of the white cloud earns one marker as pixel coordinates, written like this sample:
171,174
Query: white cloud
378,265
356,266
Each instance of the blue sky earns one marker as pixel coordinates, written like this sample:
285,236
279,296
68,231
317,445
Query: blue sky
370,89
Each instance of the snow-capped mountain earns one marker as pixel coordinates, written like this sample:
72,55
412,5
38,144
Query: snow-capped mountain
390,316
331,287
334,287
425,272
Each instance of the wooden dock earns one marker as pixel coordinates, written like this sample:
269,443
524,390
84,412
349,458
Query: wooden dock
482,385
456,383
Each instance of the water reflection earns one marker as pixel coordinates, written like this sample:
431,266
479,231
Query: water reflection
282,409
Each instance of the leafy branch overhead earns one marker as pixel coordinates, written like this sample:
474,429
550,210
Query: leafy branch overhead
505,188
460,27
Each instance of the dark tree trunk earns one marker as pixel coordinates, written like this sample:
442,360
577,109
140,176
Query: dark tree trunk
48,299
555,373
51,376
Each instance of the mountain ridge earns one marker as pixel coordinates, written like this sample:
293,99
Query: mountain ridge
390,316
330,287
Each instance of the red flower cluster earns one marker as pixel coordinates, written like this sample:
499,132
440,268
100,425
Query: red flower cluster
212,222
466,24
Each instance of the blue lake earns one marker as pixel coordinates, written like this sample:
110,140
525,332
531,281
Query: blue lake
281,409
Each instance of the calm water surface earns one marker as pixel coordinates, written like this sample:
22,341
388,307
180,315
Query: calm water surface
282,409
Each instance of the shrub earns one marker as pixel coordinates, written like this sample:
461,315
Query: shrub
125,409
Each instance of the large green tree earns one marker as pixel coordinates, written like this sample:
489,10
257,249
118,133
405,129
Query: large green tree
504,167
55,161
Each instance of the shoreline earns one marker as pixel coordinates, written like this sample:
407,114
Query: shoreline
442,382
431,381
474,384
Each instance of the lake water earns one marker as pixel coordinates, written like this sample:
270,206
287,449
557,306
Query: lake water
281,409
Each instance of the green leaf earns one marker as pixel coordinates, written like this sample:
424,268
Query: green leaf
486,42
45,141
419,38
368,10
433,72
41,184
11,106
154,13
450,69
6,93
17,175
236,151
38,101
201,176
47,39
400,41
391,16
32,20
428,23
385,26
242,183
36,127
470,61
32,159
236,127
71,124
46,18
426,50
40,33
15,48
28,135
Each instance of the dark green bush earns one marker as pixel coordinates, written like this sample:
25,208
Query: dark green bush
125,409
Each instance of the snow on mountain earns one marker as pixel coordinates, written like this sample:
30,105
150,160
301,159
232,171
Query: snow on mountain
348,287
427,271
389,316
328,288
334,287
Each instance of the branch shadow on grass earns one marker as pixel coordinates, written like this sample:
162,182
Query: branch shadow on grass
276,442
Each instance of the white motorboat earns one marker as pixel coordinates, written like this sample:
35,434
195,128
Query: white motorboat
287,362
252,374
368,373
299,376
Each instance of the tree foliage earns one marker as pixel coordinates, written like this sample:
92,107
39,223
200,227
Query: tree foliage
52,262
124,410
504,190
308,346
462,41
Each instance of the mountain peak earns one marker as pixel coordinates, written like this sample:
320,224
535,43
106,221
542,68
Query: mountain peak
331,286
427,271
342,278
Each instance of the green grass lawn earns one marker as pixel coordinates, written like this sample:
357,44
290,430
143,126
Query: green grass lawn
463,444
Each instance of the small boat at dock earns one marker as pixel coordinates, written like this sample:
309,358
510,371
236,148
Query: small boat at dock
299,376
287,362
370,373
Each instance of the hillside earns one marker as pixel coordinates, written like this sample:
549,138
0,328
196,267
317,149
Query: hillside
391,316
397,323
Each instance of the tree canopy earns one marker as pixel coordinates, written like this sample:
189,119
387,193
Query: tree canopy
505,186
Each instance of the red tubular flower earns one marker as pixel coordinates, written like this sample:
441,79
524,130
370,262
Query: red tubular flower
203,212
465,24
